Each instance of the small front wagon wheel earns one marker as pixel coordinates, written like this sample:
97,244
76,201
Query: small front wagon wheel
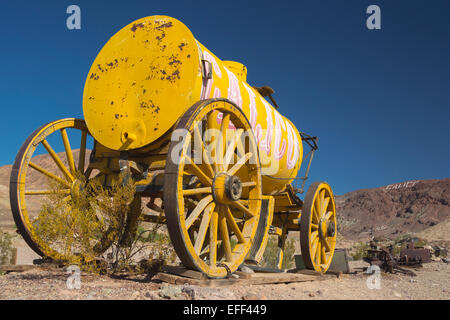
318,227
40,171
29,183
212,188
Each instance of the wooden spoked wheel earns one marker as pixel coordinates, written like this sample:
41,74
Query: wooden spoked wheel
318,227
32,181
212,188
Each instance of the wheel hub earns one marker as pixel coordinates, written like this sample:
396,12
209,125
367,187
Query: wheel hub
226,188
326,228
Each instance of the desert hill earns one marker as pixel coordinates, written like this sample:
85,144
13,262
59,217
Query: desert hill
413,206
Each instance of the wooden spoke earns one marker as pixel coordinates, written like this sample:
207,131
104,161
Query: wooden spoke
324,206
68,149
239,164
189,192
204,224
57,160
314,226
211,121
48,174
240,147
318,252
328,215
46,192
321,201
314,246
314,235
323,257
212,127
315,215
327,245
191,166
206,160
198,209
213,224
221,141
248,184
224,234
317,209
238,205
231,148
233,225
82,154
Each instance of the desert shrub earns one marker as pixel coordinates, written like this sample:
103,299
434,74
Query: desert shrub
359,250
271,254
67,226
402,241
396,249
6,248
99,228
420,242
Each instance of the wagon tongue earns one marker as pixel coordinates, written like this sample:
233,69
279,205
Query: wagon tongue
141,82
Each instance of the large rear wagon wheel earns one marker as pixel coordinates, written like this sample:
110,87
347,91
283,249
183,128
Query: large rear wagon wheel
212,188
318,227
66,172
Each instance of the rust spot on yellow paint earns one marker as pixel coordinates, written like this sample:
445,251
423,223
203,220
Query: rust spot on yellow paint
137,25
175,75
165,25
174,60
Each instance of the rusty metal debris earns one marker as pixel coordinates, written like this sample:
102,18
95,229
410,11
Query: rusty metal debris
412,256
440,251
384,258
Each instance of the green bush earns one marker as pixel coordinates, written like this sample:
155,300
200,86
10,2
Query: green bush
100,224
359,251
6,248
271,254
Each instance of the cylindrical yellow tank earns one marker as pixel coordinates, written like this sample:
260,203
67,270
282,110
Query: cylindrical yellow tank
151,71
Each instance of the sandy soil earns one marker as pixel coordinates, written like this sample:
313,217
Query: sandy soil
432,282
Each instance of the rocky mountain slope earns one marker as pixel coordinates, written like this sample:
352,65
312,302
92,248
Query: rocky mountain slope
413,206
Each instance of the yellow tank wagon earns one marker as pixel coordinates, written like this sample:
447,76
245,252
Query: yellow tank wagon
190,131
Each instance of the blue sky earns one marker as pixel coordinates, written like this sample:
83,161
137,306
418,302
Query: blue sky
377,99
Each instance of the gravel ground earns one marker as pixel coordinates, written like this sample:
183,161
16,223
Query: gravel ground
432,282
